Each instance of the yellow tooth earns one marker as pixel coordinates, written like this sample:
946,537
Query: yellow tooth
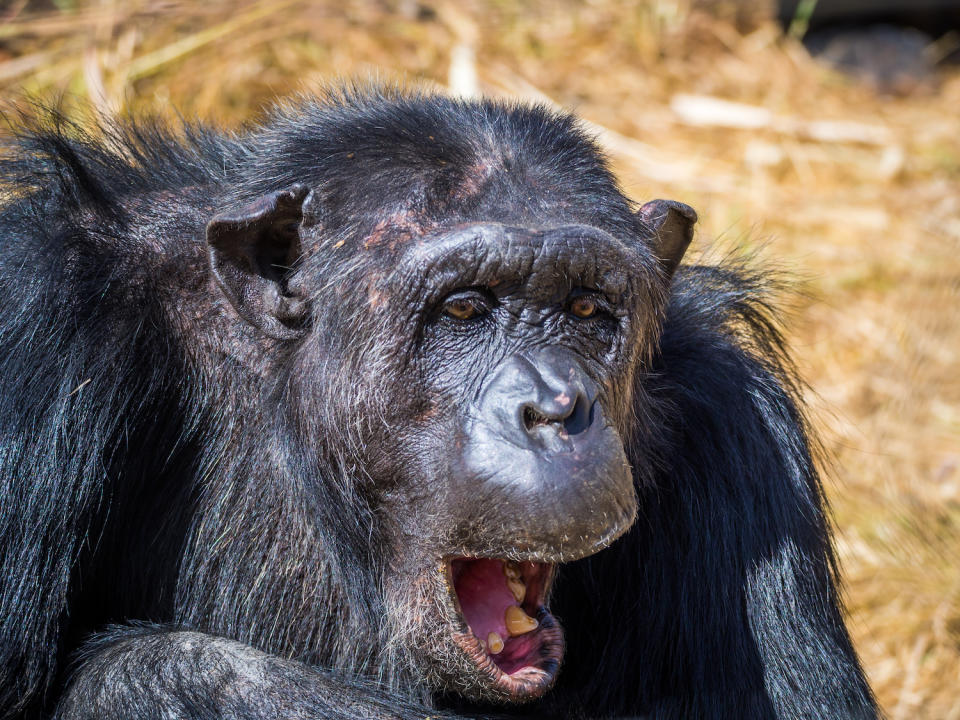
517,621
511,570
494,643
518,589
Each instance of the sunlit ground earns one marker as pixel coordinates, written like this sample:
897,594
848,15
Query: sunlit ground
857,195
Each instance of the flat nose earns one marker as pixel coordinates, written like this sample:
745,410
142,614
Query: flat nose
546,398
536,445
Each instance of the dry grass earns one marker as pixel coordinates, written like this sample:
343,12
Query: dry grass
872,221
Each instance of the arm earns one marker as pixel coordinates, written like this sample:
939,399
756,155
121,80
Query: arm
722,598
150,672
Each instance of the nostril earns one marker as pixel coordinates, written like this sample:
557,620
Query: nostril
568,421
533,417
581,417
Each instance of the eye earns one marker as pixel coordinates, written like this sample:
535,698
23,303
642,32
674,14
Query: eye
461,309
583,306
466,305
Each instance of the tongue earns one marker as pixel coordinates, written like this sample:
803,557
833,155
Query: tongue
484,596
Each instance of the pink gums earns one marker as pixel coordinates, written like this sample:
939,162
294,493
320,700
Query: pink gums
484,598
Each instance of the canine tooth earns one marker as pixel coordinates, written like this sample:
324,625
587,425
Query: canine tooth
517,621
494,643
518,589
511,570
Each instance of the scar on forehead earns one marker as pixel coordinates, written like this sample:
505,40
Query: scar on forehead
397,229
475,177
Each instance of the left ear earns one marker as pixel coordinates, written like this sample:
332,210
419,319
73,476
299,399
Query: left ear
668,227
251,250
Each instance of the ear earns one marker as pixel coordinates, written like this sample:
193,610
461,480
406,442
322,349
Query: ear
668,226
251,250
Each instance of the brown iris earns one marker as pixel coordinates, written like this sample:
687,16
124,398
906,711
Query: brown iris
583,306
461,308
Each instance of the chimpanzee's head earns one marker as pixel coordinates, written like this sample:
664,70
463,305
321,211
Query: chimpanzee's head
462,291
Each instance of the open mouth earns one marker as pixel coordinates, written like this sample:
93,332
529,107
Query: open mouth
507,632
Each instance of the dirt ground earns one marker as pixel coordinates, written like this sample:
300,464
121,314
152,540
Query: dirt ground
855,193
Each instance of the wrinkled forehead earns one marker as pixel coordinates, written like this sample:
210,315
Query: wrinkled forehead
389,232
386,211
542,263
511,222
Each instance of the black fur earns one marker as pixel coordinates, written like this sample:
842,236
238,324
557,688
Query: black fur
723,594
140,485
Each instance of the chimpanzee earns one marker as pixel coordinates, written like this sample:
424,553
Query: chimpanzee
314,421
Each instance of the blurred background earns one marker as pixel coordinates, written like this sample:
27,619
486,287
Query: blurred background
827,134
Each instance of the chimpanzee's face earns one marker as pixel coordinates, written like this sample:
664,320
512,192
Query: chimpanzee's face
514,349
476,308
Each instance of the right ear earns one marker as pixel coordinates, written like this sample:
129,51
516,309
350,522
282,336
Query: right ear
251,250
668,227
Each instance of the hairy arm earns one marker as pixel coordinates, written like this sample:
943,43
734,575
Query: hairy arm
150,672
